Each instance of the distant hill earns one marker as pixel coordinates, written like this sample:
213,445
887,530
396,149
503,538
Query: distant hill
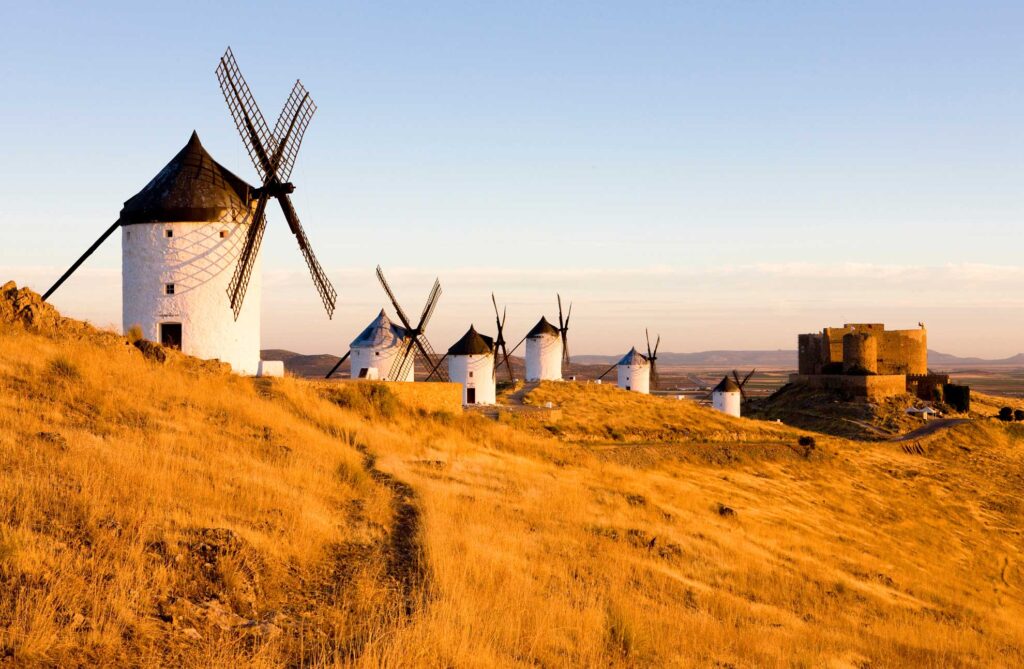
936,359
718,359
319,364
304,365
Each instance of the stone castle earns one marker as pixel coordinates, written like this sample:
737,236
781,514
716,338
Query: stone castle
867,361
864,348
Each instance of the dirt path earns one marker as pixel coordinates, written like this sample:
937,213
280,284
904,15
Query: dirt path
406,562
930,427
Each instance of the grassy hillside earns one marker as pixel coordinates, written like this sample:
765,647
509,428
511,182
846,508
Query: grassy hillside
170,514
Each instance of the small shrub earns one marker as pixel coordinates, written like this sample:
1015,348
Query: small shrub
134,334
1006,414
64,368
807,444
1018,414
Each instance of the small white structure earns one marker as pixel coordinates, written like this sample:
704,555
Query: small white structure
181,236
271,368
634,372
375,351
543,352
471,363
726,397
923,413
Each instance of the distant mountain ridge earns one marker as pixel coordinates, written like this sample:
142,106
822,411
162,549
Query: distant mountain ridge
778,358
319,364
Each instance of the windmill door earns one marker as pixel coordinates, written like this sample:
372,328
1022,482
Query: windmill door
170,335
470,395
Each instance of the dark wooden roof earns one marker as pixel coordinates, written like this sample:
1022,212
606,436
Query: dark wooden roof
726,385
543,328
192,187
472,343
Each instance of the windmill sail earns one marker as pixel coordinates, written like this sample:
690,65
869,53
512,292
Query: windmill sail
273,155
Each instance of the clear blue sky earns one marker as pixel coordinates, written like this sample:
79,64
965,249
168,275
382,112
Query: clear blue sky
728,174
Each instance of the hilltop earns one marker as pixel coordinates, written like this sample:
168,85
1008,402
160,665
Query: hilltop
169,513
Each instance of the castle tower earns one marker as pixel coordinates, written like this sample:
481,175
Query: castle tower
634,372
471,363
181,237
375,349
860,352
544,352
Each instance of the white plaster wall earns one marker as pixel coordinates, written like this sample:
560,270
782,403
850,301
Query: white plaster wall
726,402
544,358
200,264
367,357
482,369
636,377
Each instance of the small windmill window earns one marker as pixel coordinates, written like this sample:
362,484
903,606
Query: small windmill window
223,234
471,375
168,233
169,289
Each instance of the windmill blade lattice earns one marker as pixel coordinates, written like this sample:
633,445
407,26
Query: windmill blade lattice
273,155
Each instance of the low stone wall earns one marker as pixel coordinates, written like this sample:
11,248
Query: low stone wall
868,387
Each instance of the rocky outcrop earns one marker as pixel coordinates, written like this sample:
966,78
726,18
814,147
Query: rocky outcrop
25,308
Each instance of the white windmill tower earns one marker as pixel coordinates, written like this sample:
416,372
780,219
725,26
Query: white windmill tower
471,363
191,238
547,347
634,372
728,395
544,352
637,372
374,351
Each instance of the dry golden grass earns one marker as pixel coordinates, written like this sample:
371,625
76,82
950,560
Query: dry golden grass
580,551
131,492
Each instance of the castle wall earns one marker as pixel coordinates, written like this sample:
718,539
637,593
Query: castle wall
903,352
866,387
890,352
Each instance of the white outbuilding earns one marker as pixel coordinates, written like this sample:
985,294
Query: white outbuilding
726,397
181,236
634,372
544,352
471,363
376,350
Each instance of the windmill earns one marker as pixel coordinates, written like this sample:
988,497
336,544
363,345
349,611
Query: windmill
273,154
499,341
652,357
563,329
741,384
416,344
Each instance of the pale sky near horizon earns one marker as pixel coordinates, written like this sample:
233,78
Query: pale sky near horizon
728,174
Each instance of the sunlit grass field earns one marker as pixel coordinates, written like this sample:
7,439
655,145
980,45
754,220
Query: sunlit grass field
155,515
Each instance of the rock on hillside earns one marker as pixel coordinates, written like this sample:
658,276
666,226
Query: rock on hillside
25,308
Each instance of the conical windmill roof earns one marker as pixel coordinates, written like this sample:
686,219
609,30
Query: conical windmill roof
472,343
632,358
380,333
543,328
192,187
727,385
